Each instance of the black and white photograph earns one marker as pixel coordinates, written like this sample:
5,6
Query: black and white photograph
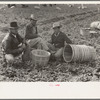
49,42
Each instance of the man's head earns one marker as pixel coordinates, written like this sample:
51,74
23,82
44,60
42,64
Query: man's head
56,27
33,20
13,28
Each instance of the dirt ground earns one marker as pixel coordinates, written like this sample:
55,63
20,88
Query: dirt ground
72,20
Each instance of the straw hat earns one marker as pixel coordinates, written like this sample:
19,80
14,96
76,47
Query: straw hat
13,25
57,24
32,17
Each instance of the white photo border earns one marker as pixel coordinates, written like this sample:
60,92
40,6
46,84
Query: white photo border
50,90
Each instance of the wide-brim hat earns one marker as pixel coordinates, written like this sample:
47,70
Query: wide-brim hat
32,17
57,24
14,25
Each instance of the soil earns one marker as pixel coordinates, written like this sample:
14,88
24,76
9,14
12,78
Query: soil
72,19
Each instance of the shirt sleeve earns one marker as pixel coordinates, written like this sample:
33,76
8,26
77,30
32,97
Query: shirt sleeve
20,38
67,39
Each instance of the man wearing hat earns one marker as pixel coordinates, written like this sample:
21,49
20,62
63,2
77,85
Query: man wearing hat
13,44
34,40
58,40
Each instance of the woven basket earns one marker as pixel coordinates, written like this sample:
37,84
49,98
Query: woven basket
40,57
78,53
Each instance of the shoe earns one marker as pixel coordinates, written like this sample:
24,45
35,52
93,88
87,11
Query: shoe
52,57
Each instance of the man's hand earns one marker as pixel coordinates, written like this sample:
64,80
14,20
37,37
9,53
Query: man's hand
20,45
22,48
65,43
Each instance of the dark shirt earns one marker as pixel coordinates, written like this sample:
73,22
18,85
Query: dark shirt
31,32
59,40
10,44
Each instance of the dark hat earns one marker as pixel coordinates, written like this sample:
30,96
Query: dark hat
13,25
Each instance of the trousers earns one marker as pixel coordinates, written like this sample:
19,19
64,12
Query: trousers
58,52
38,43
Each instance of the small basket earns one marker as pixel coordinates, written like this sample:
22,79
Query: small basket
40,57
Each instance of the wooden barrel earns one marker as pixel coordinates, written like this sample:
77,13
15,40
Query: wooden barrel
80,53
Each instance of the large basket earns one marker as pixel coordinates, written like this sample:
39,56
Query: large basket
80,53
40,57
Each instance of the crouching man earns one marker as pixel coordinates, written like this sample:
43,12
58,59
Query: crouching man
14,45
58,41
34,40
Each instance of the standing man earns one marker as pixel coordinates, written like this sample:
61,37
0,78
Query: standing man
34,40
13,45
58,40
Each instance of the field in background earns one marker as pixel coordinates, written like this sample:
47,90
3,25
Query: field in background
72,19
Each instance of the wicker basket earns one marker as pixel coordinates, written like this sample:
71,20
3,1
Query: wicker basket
40,57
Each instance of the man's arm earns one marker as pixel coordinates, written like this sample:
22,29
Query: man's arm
50,41
8,49
67,39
